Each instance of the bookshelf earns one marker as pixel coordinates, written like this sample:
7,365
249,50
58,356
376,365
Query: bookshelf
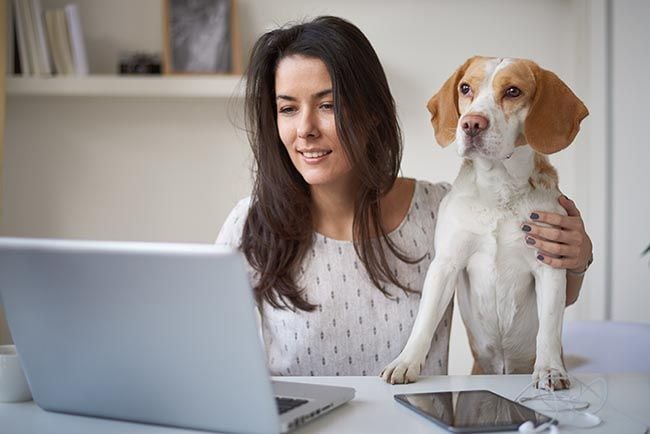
220,86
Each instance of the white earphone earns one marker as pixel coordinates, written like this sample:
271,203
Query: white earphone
568,409
529,427
584,419
581,419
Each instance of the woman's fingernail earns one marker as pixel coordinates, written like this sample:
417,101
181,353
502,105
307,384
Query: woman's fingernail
540,257
525,228
530,240
534,216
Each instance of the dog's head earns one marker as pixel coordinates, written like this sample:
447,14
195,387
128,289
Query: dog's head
491,105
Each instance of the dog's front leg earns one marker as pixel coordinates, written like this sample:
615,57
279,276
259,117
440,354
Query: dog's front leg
437,292
549,370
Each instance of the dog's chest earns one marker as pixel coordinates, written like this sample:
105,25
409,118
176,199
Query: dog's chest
499,270
500,256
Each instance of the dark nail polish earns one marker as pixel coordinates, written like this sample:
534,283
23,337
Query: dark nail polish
525,228
534,216
530,241
540,257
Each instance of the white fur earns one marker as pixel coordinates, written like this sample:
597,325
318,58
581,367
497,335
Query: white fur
512,304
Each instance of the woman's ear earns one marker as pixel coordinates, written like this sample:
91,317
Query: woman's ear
443,107
555,113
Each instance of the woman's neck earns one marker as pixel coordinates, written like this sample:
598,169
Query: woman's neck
333,209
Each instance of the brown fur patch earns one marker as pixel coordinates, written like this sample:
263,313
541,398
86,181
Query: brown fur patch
555,112
475,75
521,140
515,74
444,105
545,174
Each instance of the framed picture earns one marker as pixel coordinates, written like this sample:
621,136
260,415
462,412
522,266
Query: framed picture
201,37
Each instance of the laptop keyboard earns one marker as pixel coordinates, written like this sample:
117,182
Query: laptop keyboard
286,404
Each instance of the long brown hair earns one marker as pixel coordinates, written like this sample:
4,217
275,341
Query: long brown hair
279,228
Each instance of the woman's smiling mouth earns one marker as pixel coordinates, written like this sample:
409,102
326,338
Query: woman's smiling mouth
314,156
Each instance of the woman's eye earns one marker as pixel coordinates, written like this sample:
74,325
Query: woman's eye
286,110
513,92
327,106
464,88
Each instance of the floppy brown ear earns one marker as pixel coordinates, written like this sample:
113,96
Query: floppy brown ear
443,107
555,113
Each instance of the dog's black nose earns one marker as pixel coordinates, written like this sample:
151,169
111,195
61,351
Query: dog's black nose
473,125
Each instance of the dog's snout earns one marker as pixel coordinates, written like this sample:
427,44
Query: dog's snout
473,125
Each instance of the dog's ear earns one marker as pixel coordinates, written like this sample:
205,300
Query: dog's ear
443,107
555,113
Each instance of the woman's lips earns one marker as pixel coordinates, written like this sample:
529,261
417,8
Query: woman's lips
314,157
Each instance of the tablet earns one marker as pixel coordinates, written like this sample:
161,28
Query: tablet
471,411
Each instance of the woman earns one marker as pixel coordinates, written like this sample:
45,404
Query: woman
339,245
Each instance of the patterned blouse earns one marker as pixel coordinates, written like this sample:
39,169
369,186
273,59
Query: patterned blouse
355,329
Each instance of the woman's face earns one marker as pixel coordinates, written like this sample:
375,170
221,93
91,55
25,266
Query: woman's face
306,124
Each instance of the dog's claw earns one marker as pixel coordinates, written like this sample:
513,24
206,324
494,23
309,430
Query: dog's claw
551,379
401,371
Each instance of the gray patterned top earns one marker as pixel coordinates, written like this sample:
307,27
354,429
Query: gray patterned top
355,330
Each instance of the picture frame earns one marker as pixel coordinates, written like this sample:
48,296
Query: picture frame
201,37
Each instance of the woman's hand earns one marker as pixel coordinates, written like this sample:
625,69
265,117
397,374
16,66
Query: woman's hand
563,245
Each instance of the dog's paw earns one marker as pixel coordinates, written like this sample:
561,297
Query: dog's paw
551,378
401,371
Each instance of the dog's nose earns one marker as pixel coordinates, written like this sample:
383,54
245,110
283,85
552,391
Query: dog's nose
473,125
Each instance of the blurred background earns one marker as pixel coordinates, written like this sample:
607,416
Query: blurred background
100,161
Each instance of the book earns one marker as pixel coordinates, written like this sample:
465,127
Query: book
21,33
10,68
62,41
50,30
75,33
30,33
42,51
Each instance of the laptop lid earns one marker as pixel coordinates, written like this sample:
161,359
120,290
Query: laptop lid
158,333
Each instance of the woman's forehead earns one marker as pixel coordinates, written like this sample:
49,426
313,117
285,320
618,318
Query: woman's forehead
297,73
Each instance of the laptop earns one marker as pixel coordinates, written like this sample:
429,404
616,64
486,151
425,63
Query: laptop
147,332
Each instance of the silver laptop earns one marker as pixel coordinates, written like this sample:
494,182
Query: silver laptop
155,333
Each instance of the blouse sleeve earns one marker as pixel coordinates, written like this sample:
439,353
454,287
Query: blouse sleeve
231,231
230,235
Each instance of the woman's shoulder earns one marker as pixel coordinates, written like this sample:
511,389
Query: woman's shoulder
429,192
425,204
232,228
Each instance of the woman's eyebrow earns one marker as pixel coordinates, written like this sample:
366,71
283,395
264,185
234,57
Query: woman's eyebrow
317,95
322,93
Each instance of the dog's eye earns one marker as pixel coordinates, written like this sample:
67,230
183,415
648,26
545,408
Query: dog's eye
464,88
513,92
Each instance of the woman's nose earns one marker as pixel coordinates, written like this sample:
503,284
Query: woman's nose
308,126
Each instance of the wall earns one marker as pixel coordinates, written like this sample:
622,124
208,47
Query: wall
4,332
629,160
99,142
170,170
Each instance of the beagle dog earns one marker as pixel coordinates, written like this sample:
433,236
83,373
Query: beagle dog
504,115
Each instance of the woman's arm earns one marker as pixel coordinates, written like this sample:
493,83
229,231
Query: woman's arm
573,285
565,244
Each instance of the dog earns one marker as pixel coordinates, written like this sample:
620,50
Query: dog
505,115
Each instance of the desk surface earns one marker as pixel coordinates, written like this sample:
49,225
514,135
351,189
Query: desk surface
373,410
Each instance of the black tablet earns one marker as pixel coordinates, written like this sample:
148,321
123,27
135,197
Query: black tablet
471,411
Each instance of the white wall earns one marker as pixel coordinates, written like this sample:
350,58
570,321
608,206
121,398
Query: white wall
101,142
170,170
630,162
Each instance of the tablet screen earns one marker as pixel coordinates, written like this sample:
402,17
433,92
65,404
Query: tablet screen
470,411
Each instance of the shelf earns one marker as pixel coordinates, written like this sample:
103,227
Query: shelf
222,86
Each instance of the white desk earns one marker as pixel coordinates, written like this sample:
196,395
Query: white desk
372,411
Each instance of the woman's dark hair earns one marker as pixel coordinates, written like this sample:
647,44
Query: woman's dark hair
279,228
